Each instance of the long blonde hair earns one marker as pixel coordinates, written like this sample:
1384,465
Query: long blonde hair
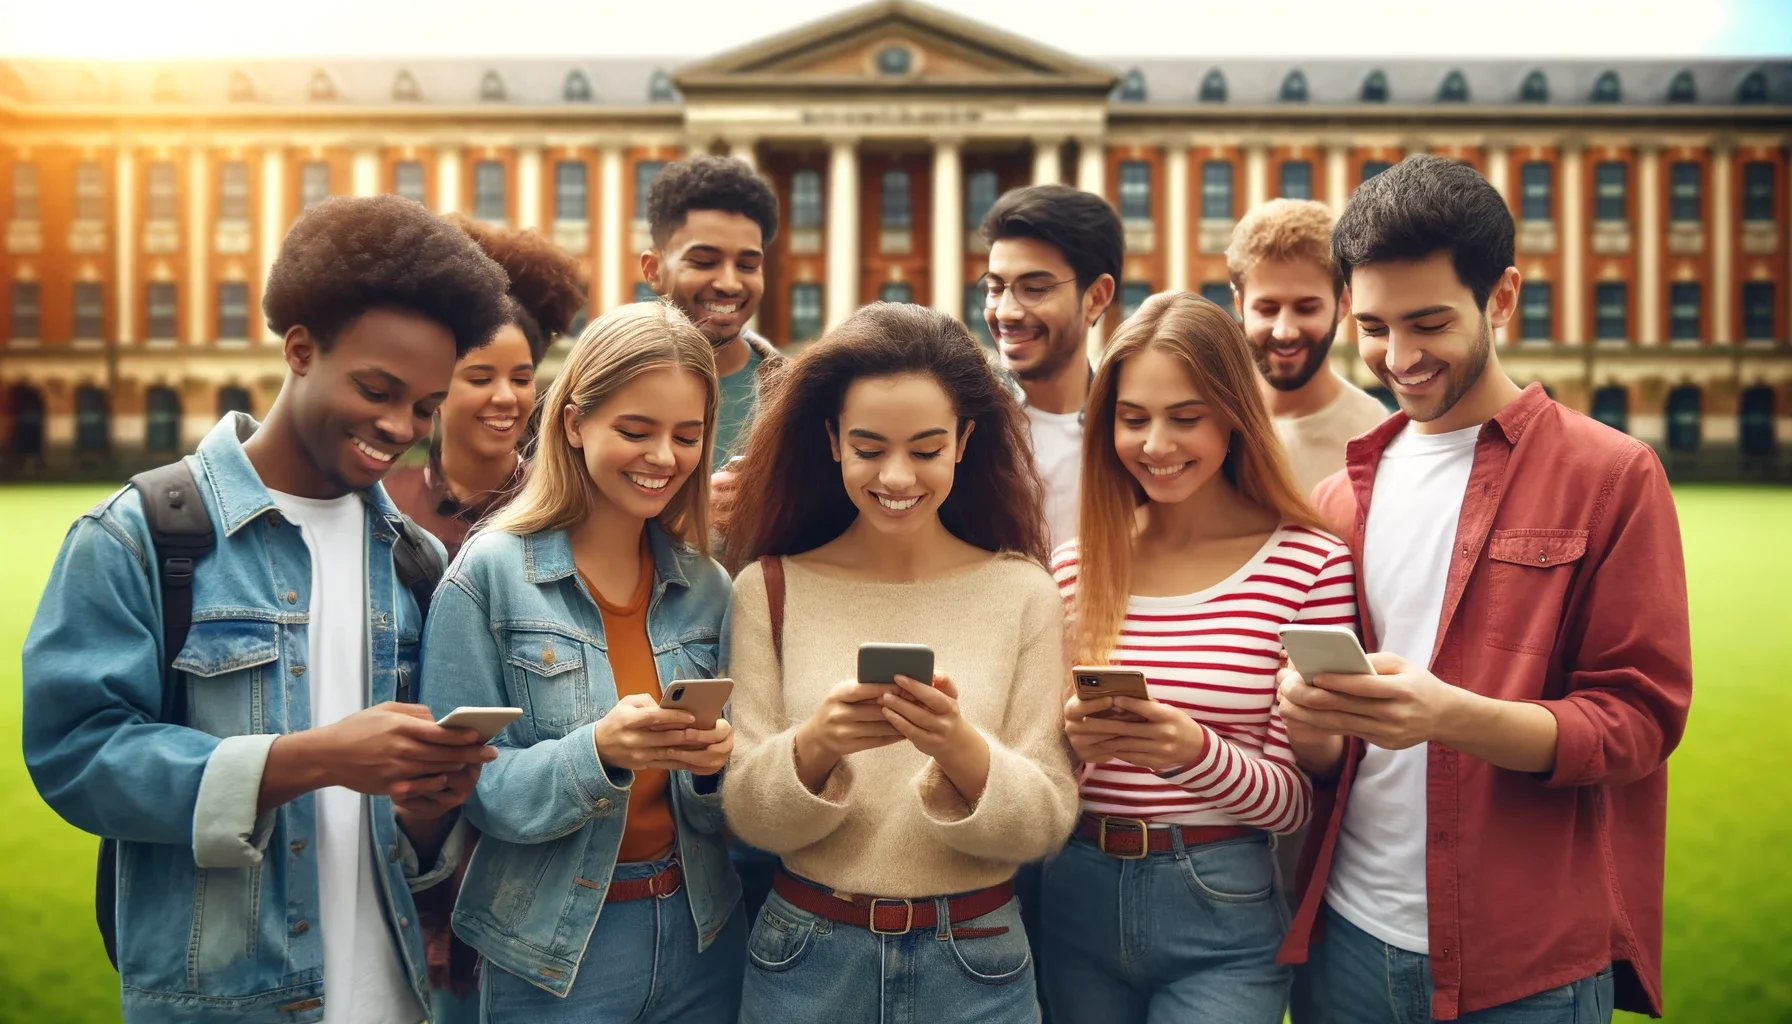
1212,348
612,351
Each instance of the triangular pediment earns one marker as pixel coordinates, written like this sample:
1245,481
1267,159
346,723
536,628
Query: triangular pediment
895,45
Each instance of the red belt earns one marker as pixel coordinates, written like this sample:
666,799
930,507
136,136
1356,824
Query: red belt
886,916
628,890
1133,838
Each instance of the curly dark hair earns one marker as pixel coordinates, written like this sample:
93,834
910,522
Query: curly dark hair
347,256
791,498
547,285
704,182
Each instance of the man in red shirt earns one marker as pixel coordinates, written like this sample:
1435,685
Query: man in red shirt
1489,846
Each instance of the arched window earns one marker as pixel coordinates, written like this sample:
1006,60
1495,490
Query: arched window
1294,87
232,398
27,422
163,419
1753,88
895,60
1213,87
1611,406
1375,87
1755,431
1535,88
323,87
659,88
578,87
1132,87
1684,407
1682,89
491,88
92,420
1606,88
242,87
1453,89
404,88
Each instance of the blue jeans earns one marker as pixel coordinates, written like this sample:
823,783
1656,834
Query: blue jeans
803,968
1352,977
1186,935
641,964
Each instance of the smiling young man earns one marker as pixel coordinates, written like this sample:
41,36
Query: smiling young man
1054,262
1492,846
262,871
1292,297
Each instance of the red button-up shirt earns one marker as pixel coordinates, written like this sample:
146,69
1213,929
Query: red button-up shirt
1567,588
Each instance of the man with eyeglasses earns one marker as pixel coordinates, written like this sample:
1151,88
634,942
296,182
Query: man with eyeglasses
1054,263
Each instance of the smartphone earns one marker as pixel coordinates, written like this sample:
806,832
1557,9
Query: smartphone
1325,650
1096,681
487,722
703,698
882,663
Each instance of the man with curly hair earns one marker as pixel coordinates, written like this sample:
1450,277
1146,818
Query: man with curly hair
274,816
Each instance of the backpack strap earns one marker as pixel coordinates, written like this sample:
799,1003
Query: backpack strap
182,532
418,568
773,567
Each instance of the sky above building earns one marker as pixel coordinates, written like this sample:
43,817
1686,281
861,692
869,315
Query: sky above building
174,29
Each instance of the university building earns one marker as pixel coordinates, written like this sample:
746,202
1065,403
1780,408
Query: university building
143,204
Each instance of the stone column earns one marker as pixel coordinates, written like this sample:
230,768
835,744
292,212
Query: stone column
1572,232
843,230
1256,175
1047,167
448,179
612,229
273,227
1337,173
948,229
528,186
124,247
1648,250
1499,175
1092,166
1176,214
1723,243
364,172
199,247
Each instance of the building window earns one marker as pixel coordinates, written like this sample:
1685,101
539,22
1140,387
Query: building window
26,313
1135,190
979,195
407,179
488,191
895,210
1294,87
1132,87
805,311
894,60
323,89
1213,87
1757,190
1611,406
973,315
1606,88
896,291
805,199
1375,87
1682,89
645,172
1611,191
644,293
1757,311
90,310
233,191
314,183
1133,295
1373,167
404,88
1611,311
1220,294
1535,88
577,88
1536,310
163,419
164,201
91,420
1686,192
232,398
1684,411
491,88
1684,301
1216,190
1453,89
570,200
24,191
233,310
1537,191
659,88
161,298
1753,88
90,191
1297,179
1755,411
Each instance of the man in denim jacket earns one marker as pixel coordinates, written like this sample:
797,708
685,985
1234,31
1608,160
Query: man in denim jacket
262,871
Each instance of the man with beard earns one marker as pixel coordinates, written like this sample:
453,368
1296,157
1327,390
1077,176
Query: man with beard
1491,848
1054,262
1292,296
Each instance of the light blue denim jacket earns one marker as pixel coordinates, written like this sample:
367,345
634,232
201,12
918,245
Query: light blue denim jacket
217,906
514,626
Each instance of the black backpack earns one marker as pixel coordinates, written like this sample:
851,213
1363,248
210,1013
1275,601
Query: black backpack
181,530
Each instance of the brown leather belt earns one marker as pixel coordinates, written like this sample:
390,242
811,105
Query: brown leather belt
628,890
1133,838
885,916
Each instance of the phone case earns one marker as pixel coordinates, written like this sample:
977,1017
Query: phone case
1094,683
1322,650
882,663
703,698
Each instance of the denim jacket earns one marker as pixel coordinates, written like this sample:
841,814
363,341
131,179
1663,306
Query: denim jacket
512,625
217,906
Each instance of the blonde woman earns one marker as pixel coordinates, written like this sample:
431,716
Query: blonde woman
1193,547
575,603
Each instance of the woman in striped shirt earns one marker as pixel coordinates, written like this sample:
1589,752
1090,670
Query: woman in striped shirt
1193,548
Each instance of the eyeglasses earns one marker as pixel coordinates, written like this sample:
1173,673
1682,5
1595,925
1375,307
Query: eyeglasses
1028,292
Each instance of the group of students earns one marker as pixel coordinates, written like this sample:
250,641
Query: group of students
301,841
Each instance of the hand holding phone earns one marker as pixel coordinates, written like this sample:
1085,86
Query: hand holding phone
703,698
1094,682
1325,650
487,722
881,663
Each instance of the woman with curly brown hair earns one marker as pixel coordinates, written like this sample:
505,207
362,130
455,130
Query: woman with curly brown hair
476,453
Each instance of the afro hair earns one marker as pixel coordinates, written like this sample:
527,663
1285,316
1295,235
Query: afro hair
347,256
547,286
704,182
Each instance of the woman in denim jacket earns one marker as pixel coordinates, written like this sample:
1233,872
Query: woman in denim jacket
600,815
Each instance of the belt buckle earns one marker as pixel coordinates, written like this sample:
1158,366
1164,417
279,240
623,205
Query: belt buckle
1101,838
665,883
907,926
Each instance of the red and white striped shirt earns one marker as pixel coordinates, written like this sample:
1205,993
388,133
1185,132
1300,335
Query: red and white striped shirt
1214,654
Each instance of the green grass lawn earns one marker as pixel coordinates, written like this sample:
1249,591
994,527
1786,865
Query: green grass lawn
1729,898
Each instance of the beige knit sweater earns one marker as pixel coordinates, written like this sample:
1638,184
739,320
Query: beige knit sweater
888,822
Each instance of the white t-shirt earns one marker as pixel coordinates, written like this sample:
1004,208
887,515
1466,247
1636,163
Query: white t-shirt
1315,443
1377,879
364,982
1058,453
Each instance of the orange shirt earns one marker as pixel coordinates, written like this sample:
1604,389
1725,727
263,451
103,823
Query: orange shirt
648,833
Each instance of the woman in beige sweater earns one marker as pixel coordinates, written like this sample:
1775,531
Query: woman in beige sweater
888,496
